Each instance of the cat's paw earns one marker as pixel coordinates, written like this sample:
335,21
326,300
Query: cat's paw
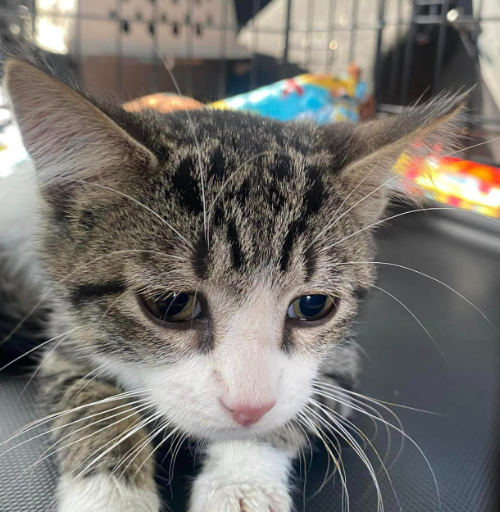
242,477
212,495
104,493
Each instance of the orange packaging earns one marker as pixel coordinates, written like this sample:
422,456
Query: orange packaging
456,182
162,102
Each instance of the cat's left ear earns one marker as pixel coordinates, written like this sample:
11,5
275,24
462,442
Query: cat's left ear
376,147
66,135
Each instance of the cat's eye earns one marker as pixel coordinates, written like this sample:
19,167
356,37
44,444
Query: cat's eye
174,307
312,307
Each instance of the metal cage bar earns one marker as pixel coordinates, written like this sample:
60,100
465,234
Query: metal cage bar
425,15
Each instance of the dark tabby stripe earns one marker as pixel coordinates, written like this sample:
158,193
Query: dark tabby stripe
200,258
313,200
295,229
187,185
310,262
236,251
93,291
287,343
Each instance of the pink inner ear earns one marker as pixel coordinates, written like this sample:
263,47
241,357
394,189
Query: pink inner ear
64,133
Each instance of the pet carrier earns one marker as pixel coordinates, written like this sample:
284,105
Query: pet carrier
405,51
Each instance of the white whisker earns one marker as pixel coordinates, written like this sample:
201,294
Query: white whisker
472,147
335,219
414,317
100,370
376,401
128,433
301,456
47,432
79,440
36,348
235,173
337,428
328,391
403,433
364,198
175,452
46,419
193,131
157,215
397,176
55,285
424,275
130,454
43,362
338,464
337,418
402,214
163,427
133,453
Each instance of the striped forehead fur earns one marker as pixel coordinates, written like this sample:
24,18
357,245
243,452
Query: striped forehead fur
217,197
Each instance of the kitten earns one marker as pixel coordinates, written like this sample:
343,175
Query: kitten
203,270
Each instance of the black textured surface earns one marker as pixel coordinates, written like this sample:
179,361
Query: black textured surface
402,366
27,481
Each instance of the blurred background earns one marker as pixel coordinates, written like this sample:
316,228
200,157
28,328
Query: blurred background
329,60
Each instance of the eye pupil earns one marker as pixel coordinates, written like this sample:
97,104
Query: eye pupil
312,305
173,305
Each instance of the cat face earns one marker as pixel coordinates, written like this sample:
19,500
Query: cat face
231,338
214,259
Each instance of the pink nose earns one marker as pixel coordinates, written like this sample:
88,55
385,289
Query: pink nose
247,415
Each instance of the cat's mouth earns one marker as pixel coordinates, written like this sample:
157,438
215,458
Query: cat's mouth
224,427
236,433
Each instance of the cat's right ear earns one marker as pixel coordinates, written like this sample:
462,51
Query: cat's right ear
67,136
375,147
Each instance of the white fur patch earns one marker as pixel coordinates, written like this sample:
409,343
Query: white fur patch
102,493
18,203
246,366
243,477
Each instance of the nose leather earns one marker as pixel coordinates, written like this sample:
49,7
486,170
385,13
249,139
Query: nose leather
247,415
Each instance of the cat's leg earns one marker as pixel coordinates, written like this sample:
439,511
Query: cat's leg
244,476
93,440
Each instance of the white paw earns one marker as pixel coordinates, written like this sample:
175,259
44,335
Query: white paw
242,477
102,493
215,496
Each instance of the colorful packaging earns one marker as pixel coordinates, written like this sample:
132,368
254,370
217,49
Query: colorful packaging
324,99
456,182
320,98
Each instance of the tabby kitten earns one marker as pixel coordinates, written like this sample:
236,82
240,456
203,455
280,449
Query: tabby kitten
202,276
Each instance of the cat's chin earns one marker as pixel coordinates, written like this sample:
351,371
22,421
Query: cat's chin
231,434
